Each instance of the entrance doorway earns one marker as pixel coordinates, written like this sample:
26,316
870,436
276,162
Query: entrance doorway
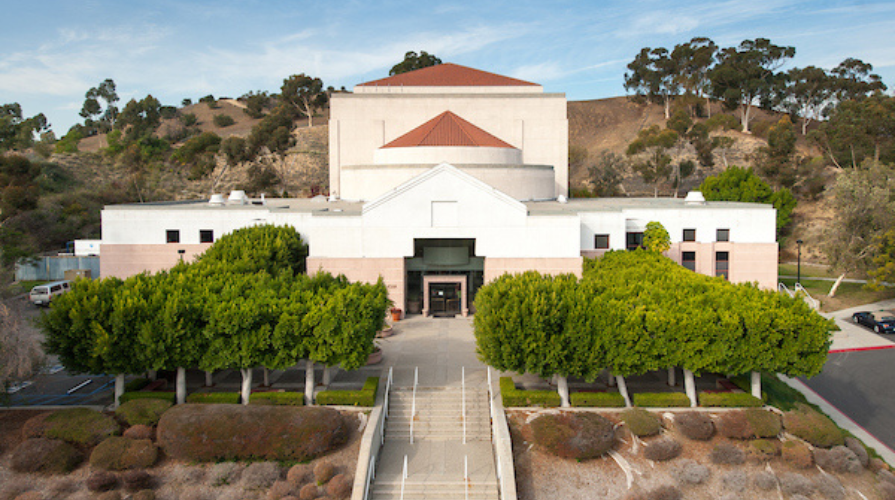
444,295
443,276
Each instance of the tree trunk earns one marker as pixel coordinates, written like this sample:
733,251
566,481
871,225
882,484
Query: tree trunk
667,108
610,379
119,389
309,383
623,389
209,378
836,285
690,387
245,392
671,375
152,375
708,106
266,377
756,384
562,387
180,385
804,126
328,373
745,118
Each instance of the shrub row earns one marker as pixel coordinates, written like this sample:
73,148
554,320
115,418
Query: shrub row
744,382
519,397
136,384
214,398
661,399
597,399
364,397
286,398
729,399
142,411
79,426
574,435
640,422
164,396
813,427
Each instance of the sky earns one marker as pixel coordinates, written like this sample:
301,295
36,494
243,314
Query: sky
53,51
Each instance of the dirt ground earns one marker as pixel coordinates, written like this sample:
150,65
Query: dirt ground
541,476
174,479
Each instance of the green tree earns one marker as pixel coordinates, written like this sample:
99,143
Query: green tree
100,116
650,154
778,161
741,184
17,132
256,103
747,74
692,62
858,130
656,238
853,80
653,75
808,92
607,174
268,248
199,153
304,93
413,61
139,119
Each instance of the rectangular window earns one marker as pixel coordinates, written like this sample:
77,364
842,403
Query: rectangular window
172,236
601,241
688,260
689,235
722,264
633,241
723,235
206,236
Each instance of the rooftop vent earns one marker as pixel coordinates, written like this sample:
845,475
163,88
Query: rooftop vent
216,199
694,198
562,199
237,198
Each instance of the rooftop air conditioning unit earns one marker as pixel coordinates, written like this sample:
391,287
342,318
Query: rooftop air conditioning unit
216,199
237,198
694,198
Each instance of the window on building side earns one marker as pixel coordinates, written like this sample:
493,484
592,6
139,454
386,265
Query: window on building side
689,235
633,241
723,235
206,236
172,236
722,264
601,241
688,260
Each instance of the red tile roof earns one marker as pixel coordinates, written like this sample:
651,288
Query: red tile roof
447,75
447,129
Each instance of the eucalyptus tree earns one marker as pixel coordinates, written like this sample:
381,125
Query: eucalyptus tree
649,153
653,75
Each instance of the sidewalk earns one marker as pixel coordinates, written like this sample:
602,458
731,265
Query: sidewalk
852,337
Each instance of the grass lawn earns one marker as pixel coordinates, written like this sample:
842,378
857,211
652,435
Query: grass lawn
807,270
22,287
848,294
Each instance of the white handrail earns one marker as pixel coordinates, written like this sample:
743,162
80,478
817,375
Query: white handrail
808,298
403,477
463,392
466,475
371,474
416,376
388,388
781,287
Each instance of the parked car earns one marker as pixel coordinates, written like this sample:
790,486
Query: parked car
878,321
42,295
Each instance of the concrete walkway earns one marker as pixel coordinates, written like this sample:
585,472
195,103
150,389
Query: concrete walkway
852,337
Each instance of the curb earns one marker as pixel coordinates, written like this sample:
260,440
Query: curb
859,349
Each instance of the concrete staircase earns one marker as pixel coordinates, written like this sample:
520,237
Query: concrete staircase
415,490
439,414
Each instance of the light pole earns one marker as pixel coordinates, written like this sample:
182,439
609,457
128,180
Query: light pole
799,266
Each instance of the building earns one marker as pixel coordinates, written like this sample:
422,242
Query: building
441,180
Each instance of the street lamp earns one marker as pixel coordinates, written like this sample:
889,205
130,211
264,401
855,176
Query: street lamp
799,267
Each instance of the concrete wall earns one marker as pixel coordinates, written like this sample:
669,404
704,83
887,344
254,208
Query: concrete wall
53,268
496,267
434,155
126,260
366,270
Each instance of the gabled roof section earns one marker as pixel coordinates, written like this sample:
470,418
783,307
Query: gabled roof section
447,129
447,75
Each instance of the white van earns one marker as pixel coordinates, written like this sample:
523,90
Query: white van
41,295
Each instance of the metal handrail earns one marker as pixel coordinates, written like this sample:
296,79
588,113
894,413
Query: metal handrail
371,474
781,287
808,298
416,376
403,477
463,395
388,388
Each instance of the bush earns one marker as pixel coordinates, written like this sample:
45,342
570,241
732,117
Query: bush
142,411
694,425
640,422
139,431
796,484
164,396
661,400
839,459
364,397
339,487
764,449
188,119
765,480
136,480
35,426
597,399
308,492
887,491
260,475
214,398
277,399
728,399
797,454
298,473
763,423
223,120
280,489
225,473
734,425
858,449
518,397
813,427
323,472
574,435
829,487
727,454
144,495
232,432
121,453
662,449
136,384
79,426
102,481
735,481
660,493
690,472
723,122
44,456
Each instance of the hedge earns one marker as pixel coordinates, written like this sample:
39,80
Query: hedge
517,397
729,399
79,426
744,382
661,399
136,384
364,397
164,396
597,399
277,398
214,398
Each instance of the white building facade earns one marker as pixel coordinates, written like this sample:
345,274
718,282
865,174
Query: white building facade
442,180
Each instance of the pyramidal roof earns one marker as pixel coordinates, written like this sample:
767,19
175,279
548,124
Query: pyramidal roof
447,75
447,129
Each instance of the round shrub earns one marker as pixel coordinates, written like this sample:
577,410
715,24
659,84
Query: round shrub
735,481
640,422
694,425
225,473
664,493
308,492
886,476
815,428
139,431
662,449
886,490
764,449
298,473
734,425
102,481
690,472
46,456
35,426
339,487
796,484
109,495
121,453
763,423
858,449
323,472
223,120
829,487
260,475
877,465
136,480
797,454
144,495
279,490
231,432
142,411
838,459
79,426
574,435
31,495
727,454
765,480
